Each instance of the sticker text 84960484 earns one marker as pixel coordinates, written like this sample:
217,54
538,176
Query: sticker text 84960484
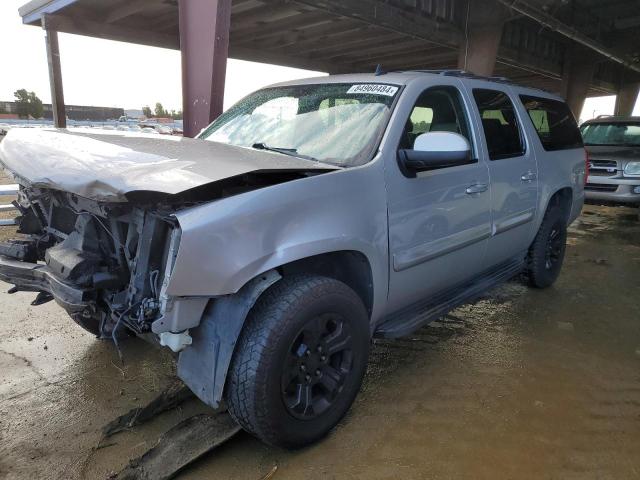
374,89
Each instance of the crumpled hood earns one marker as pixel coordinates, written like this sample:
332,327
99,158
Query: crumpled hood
107,165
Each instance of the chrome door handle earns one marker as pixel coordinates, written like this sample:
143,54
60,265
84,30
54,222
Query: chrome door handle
528,177
477,188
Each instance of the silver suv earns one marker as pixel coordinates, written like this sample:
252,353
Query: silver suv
306,219
613,144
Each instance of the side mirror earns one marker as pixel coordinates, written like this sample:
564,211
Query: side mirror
436,150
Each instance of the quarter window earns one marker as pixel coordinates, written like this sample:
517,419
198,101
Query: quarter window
500,124
554,122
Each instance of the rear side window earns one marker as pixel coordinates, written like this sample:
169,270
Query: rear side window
500,124
554,122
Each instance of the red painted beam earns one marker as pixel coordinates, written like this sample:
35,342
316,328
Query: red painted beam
204,43
55,75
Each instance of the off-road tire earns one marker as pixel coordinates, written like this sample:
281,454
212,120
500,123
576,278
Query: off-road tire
541,272
254,390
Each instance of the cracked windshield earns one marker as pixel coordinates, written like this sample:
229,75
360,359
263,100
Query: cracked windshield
338,124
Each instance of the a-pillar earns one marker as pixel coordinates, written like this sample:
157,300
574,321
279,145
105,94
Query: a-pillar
204,44
482,32
626,99
577,74
55,75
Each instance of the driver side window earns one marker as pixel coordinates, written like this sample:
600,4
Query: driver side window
438,109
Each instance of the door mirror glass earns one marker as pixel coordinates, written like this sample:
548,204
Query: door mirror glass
436,150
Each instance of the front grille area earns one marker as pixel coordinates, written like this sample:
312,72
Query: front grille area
603,168
600,187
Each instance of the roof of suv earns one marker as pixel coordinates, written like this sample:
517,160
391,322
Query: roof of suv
405,77
612,119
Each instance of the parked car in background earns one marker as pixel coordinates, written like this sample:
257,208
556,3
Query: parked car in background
161,129
309,217
613,144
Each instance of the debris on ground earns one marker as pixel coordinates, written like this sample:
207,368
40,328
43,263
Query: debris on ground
599,261
271,473
566,326
170,398
180,446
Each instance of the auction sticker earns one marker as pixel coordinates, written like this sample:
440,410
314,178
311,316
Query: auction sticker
374,89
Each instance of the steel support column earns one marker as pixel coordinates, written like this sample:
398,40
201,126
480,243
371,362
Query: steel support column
204,43
483,24
627,99
55,75
577,74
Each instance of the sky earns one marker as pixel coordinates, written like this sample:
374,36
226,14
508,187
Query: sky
115,74
111,74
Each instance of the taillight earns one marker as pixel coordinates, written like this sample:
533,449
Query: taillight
586,165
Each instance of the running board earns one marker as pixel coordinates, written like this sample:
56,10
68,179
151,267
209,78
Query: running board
410,319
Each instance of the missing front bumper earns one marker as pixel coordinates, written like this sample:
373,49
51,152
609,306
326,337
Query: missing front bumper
36,277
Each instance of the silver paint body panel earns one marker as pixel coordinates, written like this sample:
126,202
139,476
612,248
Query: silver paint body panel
106,165
420,235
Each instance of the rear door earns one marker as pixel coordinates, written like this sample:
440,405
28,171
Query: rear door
513,170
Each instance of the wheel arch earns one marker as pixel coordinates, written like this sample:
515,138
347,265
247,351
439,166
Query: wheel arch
204,365
563,199
351,267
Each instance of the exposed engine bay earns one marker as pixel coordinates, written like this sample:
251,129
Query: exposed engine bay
108,263
103,263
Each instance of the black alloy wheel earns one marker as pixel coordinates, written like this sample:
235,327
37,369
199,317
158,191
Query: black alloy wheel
318,362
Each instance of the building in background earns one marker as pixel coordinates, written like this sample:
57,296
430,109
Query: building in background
8,110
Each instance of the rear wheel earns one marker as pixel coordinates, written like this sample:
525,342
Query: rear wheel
546,253
300,361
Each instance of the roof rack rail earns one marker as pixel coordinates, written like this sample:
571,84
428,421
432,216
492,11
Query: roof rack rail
463,74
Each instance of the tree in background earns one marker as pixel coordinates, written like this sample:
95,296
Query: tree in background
160,111
28,104
146,111
176,115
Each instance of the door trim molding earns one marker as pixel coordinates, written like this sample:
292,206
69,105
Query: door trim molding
513,221
428,251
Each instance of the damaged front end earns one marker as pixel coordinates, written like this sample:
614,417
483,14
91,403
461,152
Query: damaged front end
106,264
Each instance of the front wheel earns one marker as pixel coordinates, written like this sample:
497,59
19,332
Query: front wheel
546,253
300,361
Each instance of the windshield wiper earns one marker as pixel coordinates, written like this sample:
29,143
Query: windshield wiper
292,152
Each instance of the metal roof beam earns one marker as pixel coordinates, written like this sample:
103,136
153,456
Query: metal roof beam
107,31
126,10
570,32
388,17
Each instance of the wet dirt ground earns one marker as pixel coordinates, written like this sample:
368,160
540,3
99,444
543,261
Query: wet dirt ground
523,384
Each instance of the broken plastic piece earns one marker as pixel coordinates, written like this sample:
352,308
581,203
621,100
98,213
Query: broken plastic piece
41,298
180,446
170,398
176,341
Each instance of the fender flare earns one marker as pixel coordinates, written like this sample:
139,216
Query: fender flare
203,366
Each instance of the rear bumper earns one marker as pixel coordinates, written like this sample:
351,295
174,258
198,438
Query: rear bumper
613,190
35,277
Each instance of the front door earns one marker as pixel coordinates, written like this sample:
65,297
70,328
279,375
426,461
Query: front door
439,220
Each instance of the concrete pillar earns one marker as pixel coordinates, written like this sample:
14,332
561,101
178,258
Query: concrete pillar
55,76
482,29
577,75
626,99
204,43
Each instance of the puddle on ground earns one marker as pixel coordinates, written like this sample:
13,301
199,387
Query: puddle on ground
522,384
